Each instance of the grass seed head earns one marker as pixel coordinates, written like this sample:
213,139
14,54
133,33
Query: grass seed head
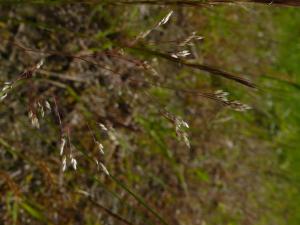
62,146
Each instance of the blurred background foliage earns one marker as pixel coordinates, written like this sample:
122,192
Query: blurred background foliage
241,168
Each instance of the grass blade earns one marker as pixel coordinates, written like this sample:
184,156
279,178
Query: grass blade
140,200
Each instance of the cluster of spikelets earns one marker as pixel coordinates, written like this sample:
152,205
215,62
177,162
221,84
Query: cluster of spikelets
222,96
37,109
67,150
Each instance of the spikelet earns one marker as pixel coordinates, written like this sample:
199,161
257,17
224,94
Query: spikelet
104,168
160,23
110,132
3,96
100,147
73,162
40,64
4,91
48,106
103,127
181,54
34,120
165,19
62,146
233,104
41,109
64,163
190,38
180,127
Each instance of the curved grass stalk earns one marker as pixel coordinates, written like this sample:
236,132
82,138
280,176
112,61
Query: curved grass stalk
210,69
